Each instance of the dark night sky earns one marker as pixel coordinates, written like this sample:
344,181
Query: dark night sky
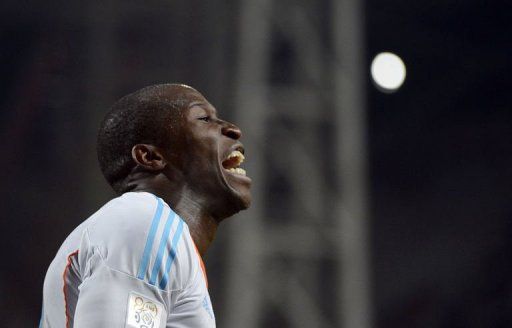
441,155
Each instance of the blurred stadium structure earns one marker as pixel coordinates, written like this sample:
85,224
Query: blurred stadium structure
429,168
278,250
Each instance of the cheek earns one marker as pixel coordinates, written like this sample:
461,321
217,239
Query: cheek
201,147
203,156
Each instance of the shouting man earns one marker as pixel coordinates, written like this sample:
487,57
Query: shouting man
137,262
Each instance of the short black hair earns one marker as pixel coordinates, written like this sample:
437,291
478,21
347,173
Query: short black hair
145,116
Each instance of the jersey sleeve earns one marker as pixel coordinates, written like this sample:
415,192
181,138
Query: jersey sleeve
111,298
192,307
133,265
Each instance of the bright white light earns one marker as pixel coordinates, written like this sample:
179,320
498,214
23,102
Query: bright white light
388,71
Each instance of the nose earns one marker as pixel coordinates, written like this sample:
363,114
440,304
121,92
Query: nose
231,131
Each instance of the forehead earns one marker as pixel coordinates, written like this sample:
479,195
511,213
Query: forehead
200,107
181,95
191,95
189,101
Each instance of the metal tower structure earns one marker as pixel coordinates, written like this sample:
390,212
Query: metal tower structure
298,257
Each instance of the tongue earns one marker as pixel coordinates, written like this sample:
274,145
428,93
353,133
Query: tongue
230,163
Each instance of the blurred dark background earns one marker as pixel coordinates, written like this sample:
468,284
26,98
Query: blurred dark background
439,150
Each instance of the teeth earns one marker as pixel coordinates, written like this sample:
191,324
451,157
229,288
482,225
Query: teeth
233,161
237,170
238,155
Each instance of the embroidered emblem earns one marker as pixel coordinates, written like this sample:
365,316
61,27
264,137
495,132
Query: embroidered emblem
143,312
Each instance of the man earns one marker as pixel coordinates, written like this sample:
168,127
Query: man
135,263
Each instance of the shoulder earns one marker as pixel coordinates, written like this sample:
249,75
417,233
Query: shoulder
140,235
124,219
131,207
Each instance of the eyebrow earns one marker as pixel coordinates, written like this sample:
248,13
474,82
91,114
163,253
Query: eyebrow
196,103
203,104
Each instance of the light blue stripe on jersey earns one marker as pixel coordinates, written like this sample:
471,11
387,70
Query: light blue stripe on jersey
172,255
149,242
161,248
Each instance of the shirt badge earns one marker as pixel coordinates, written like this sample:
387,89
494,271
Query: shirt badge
143,312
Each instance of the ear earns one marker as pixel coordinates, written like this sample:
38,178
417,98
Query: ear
149,157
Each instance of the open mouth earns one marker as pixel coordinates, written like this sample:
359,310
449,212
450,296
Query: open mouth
233,161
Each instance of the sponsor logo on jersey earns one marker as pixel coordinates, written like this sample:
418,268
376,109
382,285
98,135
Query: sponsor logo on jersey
143,312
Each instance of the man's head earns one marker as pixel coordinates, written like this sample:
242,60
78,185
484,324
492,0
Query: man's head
173,132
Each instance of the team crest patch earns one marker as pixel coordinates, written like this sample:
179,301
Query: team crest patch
143,312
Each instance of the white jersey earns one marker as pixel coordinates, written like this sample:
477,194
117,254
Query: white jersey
131,264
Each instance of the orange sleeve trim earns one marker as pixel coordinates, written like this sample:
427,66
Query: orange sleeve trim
64,288
202,264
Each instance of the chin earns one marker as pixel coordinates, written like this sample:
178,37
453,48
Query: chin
238,192
244,201
232,201
242,195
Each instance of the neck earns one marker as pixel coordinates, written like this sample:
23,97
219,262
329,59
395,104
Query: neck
192,208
